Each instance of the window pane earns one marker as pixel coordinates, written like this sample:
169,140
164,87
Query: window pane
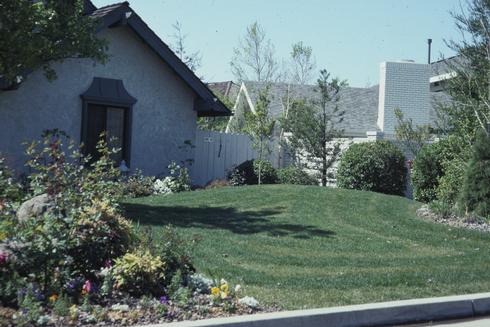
115,131
95,126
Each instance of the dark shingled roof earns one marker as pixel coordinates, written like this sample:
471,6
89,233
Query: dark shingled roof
443,66
360,104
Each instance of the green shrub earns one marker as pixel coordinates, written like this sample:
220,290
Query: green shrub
139,273
295,175
475,196
374,166
427,169
450,184
82,229
137,185
247,172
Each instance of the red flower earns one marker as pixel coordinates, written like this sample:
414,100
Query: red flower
87,287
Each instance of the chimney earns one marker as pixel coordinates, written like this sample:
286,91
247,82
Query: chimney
403,85
429,45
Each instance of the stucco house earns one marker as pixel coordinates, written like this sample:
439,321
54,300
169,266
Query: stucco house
144,95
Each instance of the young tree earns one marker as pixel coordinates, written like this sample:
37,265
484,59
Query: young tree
412,137
302,63
192,60
260,127
254,58
36,34
312,125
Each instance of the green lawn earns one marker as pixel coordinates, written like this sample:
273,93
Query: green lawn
306,246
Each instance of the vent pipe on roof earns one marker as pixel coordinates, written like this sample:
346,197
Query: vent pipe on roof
429,43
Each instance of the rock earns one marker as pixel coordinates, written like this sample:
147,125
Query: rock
34,207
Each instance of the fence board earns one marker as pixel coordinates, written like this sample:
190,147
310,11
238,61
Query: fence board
217,153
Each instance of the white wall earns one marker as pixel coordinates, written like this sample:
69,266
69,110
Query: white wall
163,116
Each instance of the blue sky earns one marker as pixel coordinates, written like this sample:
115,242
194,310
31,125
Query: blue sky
349,37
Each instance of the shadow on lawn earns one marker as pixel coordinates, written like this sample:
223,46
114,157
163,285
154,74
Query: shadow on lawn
245,222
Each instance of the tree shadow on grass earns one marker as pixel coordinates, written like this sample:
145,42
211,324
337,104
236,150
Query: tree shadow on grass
239,222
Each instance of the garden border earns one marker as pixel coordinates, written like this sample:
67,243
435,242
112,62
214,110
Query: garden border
375,314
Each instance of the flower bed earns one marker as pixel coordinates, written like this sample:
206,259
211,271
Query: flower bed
68,256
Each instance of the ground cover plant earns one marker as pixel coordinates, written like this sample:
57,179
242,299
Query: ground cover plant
306,246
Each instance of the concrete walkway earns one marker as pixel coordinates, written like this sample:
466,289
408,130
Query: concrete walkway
377,314
481,322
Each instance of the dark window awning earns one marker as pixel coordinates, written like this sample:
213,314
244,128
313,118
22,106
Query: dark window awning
108,91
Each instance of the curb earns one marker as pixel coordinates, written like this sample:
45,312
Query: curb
375,314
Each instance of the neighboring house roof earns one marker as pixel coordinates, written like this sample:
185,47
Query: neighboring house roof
360,104
228,89
443,66
122,14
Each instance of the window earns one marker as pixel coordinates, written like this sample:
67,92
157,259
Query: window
109,120
107,107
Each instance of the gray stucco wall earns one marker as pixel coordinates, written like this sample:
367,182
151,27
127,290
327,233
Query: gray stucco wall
163,117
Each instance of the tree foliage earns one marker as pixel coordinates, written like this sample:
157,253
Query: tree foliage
476,188
412,137
469,111
259,125
302,63
192,60
35,34
312,125
254,58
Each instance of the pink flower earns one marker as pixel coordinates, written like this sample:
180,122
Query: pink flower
87,287
3,258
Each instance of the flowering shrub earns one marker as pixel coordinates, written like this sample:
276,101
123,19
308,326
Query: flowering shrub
137,185
139,273
177,181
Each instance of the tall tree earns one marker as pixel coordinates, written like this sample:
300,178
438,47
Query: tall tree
302,63
35,34
192,60
313,126
469,111
254,58
413,137
259,125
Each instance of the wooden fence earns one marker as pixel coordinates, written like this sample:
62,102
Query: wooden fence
217,153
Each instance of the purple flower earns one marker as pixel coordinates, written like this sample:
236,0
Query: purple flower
163,300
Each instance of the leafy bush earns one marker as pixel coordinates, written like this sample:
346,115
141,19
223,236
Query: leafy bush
246,173
177,181
295,175
139,273
450,184
82,228
374,166
10,190
137,185
427,169
475,197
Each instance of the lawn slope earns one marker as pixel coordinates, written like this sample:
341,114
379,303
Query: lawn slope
306,246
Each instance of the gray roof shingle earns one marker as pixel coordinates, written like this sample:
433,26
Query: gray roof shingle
359,104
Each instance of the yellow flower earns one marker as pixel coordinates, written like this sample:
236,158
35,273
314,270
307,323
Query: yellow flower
224,288
53,298
215,291
224,295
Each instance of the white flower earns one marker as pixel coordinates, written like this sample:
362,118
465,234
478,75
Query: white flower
249,301
223,281
104,271
237,288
